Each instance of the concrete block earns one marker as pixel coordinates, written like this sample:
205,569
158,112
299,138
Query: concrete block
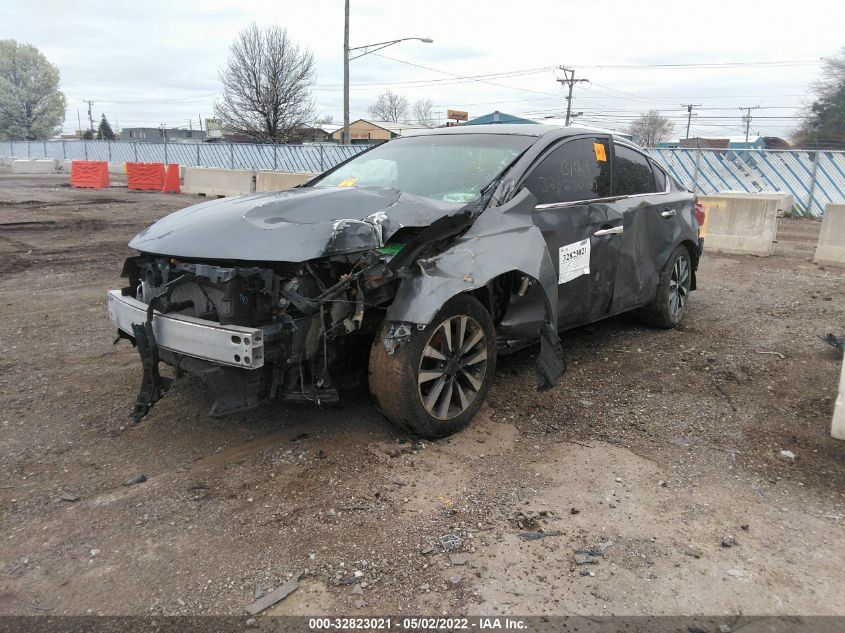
208,181
34,166
740,224
279,180
837,426
784,200
831,246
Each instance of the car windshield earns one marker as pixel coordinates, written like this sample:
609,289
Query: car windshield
447,167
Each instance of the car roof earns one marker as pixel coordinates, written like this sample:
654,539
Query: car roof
519,129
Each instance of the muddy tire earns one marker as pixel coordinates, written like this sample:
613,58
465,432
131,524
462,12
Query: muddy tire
672,298
435,383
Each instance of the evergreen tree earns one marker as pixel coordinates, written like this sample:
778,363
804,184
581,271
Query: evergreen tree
104,132
87,135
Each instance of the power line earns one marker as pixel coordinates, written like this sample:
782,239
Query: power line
777,63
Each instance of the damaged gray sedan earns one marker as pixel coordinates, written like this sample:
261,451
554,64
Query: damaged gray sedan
419,260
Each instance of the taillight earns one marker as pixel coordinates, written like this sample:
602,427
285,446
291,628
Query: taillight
699,212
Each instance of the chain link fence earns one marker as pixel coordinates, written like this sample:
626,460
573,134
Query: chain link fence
814,178
312,158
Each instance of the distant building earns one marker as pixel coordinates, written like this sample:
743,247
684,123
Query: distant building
157,135
319,133
498,117
364,131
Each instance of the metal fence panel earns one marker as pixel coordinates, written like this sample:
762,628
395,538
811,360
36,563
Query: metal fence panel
813,178
292,158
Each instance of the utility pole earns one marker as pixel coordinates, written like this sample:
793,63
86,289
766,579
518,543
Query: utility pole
79,123
746,118
344,138
569,81
689,107
90,116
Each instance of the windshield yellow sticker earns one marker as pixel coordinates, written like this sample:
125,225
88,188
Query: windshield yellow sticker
599,149
573,261
347,183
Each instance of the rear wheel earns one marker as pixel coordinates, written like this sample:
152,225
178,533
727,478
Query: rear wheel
672,298
434,384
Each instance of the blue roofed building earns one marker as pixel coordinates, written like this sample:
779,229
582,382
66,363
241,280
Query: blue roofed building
497,117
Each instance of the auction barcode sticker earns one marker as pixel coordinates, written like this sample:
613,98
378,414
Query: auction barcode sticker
573,261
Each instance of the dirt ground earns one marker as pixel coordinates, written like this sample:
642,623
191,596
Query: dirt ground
654,448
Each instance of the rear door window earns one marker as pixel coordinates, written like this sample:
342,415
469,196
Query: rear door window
632,172
576,170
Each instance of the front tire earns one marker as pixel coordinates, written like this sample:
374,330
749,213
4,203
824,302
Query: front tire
434,384
672,298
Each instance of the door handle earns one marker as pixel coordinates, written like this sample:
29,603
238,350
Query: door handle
669,213
616,230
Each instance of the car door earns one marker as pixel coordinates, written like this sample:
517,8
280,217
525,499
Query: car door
572,184
651,223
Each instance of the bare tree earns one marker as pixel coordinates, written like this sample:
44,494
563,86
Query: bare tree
325,119
389,107
423,113
266,84
650,128
824,120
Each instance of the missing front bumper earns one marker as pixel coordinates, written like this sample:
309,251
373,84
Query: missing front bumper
230,345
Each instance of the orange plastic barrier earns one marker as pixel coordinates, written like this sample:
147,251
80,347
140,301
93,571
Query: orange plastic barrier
145,176
89,174
171,180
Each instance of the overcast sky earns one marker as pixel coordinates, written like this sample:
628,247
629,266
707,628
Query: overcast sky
154,62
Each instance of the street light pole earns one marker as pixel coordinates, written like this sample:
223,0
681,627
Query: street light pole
369,48
344,138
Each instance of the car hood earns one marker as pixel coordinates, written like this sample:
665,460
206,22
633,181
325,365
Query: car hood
291,226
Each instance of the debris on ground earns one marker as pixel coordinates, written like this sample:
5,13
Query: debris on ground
787,456
735,573
694,552
529,519
837,342
67,496
729,541
269,599
535,536
583,558
459,559
450,542
137,479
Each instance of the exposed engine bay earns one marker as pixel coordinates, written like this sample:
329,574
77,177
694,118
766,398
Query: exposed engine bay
311,315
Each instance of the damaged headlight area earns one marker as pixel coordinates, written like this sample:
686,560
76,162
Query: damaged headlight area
292,331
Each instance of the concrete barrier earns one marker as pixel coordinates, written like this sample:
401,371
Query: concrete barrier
209,181
34,166
837,426
784,200
279,180
741,224
831,246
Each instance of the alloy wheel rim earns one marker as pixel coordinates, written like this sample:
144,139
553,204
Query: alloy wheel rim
679,286
452,367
